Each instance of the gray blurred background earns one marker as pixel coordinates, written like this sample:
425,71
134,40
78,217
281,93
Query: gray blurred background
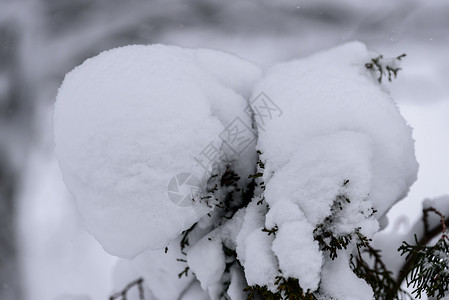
44,250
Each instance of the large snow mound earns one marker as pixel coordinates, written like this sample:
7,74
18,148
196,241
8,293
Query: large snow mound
335,154
324,94
334,149
130,119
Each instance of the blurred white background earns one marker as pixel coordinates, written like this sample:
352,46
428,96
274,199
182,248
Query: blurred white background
44,250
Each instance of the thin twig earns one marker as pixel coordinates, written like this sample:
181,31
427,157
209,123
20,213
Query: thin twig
442,221
123,293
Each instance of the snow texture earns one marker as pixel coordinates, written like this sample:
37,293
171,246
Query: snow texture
160,271
324,95
207,260
298,254
338,147
339,282
254,249
235,290
130,119
333,147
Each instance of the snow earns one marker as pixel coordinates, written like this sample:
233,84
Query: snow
254,248
159,271
207,260
252,221
195,292
339,282
238,283
260,263
298,254
325,163
334,146
231,229
338,139
225,66
123,131
52,44
332,92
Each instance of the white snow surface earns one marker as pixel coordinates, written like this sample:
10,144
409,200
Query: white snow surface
254,249
298,254
238,284
160,271
207,260
316,172
339,282
332,92
338,139
130,119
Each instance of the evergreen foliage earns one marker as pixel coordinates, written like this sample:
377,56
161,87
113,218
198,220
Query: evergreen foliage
287,289
384,68
430,271
377,275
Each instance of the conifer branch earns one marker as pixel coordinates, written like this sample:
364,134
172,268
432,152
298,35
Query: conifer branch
427,267
383,68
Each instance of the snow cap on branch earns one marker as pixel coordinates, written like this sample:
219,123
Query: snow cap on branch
130,119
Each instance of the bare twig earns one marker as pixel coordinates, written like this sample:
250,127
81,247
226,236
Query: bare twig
442,221
123,293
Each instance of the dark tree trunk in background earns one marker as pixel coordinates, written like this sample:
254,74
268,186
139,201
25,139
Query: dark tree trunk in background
9,279
15,114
